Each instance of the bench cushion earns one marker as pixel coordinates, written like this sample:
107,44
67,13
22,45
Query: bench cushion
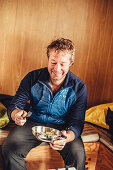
97,115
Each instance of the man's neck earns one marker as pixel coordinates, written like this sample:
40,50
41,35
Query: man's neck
55,85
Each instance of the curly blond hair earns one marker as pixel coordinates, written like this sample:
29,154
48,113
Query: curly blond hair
63,45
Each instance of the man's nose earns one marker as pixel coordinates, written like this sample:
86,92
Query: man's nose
57,67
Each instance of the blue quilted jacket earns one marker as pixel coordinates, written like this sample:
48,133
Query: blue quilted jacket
67,106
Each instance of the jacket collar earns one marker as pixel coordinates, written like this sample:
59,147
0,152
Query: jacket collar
44,77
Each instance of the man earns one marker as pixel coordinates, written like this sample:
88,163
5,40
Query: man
57,99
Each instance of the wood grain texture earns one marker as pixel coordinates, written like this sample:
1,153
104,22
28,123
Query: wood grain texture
105,159
91,150
43,157
27,26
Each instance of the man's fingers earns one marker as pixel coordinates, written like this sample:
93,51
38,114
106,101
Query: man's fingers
21,114
20,122
57,147
24,114
64,133
58,144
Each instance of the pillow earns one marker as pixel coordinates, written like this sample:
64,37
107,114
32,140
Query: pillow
97,115
4,120
109,121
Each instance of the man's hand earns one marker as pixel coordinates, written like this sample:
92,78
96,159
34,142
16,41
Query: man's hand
19,117
58,144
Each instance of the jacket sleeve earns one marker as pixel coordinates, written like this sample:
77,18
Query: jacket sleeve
76,114
22,95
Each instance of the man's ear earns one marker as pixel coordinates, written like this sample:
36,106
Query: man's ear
71,63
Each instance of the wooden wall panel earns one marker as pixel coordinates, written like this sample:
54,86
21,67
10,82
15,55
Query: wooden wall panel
27,26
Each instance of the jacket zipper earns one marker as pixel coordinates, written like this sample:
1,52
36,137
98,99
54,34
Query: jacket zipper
49,91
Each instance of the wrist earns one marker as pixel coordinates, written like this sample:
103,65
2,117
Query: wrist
70,136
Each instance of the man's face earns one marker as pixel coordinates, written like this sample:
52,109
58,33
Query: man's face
58,64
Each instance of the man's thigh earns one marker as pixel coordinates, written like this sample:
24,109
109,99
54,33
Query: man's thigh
21,140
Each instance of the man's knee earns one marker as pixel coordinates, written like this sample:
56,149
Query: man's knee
78,152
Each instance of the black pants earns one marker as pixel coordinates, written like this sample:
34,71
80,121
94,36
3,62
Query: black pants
21,140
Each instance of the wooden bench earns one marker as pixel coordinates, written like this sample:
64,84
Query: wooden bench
98,154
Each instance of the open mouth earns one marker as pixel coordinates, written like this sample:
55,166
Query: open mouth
56,74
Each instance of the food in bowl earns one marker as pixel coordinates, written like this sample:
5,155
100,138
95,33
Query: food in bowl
46,134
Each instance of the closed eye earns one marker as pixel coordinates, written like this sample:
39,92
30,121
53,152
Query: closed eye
63,64
53,63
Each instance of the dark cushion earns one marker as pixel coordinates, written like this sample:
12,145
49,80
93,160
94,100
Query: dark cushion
109,121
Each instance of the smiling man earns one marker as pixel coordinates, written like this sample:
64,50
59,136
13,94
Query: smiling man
58,99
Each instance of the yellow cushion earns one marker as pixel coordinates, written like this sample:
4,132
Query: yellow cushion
97,114
4,120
